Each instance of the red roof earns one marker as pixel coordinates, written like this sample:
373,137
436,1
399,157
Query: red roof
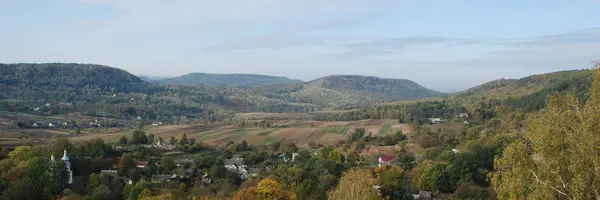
142,163
387,158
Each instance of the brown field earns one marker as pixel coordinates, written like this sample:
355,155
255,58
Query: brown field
297,129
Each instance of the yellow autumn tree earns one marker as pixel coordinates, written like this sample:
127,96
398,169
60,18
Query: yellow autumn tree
355,184
267,189
560,156
166,196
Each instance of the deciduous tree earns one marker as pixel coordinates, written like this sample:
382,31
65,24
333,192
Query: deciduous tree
559,158
355,184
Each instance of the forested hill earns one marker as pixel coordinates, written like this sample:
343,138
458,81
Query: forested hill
529,93
53,76
105,91
227,80
343,90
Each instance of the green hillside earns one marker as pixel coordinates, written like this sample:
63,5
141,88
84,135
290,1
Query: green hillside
227,80
105,91
352,90
530,92
53,76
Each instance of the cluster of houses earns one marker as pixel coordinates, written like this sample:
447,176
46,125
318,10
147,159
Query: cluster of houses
66,124
60,104
464,116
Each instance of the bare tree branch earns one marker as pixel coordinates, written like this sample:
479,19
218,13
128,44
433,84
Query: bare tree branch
547,185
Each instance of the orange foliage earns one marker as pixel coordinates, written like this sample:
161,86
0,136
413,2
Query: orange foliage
267,189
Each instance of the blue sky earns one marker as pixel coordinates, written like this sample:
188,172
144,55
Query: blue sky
441,44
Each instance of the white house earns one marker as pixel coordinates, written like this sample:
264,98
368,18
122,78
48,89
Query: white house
455,151
465,123
435,120
461,115
51,125
237,165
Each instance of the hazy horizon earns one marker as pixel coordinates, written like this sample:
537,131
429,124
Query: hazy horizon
438,44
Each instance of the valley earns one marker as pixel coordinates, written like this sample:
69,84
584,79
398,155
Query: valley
427,139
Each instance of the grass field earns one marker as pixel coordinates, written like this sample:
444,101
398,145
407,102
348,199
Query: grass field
337,129
385,129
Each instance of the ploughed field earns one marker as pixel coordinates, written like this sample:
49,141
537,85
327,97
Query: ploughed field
300,132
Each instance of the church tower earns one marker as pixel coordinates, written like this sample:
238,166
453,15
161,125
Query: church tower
65,158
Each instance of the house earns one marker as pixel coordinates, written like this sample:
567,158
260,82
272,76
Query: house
157,123
455,151
66,104
234,163
286,159
385,160
254,171
465,123
161,178
48,104
423,195
435,120
237,165
36,109
206,179
110,173
183,162
461,115
38,124
141,164
53,124
115,161
138,118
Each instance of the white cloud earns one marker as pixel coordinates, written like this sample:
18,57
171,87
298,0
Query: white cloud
152,15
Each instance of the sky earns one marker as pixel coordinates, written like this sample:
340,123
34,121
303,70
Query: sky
440,44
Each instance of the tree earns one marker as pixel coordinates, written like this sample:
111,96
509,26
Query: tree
146,193
139,137
151,138
101,192
357,135
355,184
267,189
392,185
166,196
183,140
21,153
93,148
123,140
59,145
172,140
138,189
126,163
94,182
167,164
559,158
426,176
471,191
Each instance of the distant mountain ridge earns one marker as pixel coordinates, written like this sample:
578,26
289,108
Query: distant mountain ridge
228,80
349,90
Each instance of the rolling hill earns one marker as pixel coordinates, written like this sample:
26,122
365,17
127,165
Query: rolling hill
106,91
349,90
529,92
227,80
